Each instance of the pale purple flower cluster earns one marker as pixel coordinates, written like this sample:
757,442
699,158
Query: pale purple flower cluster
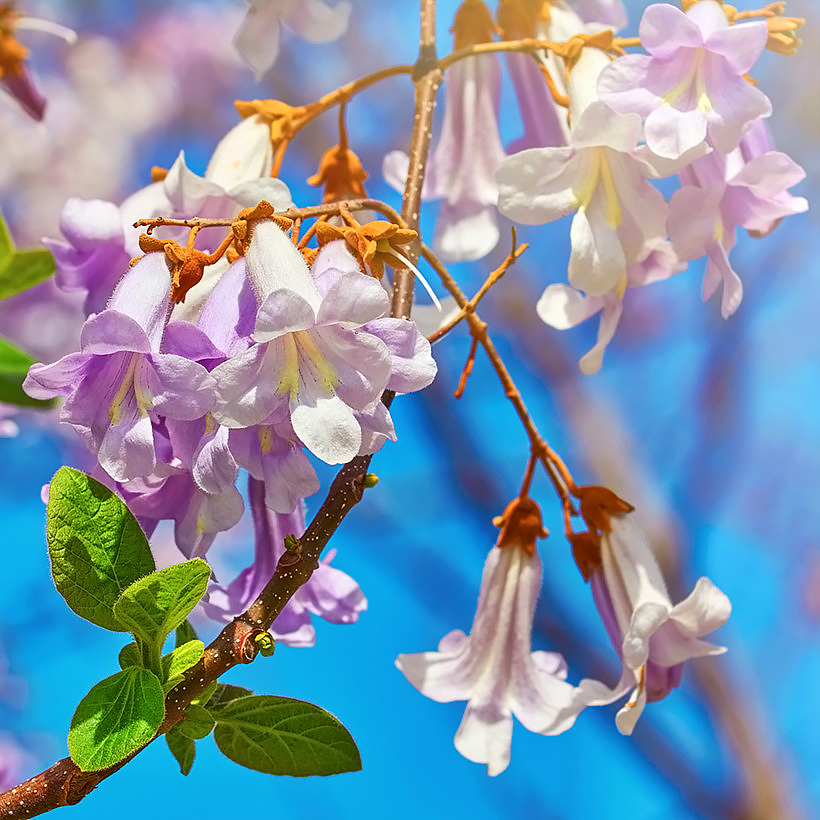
270,362
684,108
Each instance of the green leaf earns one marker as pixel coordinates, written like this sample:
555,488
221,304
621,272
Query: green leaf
224,694
175,663
182,748
22,270
115,719
96,546
6,243
130,655
14,365
185,633
284,736
154,606
197,723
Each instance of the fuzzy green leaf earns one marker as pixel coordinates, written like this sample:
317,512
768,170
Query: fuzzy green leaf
154,606
130,655
14,365
224,694
185,633
198,722
22,270
116,718
182,748
175,663
96,546
284,736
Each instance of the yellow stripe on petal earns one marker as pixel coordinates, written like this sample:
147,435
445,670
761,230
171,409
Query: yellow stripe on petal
327,375
265,439
115,410
613,206
289,380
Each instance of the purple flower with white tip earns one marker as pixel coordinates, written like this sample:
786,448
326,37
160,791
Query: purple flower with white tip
692,87
329,593
119,381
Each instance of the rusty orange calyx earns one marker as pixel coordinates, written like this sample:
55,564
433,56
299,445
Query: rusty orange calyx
473,24
586,550
12,53
374,244
597,504
520,524
243,224
342,174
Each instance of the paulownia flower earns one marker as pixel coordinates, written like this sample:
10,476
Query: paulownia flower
101,237
462,166
653,636
494,668
258,38
314,362
120,381
15,77
602,175
692,87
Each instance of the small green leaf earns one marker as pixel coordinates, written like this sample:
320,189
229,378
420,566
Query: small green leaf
14,365
185,633
22,270
96,546
130,655
175,663
206,694
154,606
284,736
182,748
224,694
198,722
115,719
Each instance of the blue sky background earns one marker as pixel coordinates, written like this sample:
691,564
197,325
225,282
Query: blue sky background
709,427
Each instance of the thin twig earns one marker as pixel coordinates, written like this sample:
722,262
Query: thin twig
479,330
427,77
470,307
468,368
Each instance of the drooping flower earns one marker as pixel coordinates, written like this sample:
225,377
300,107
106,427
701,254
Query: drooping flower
562,307
602,175
653,636
721,194
314,362
15,77
692,87
461,169
258,38
329,593
494,668
120,381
